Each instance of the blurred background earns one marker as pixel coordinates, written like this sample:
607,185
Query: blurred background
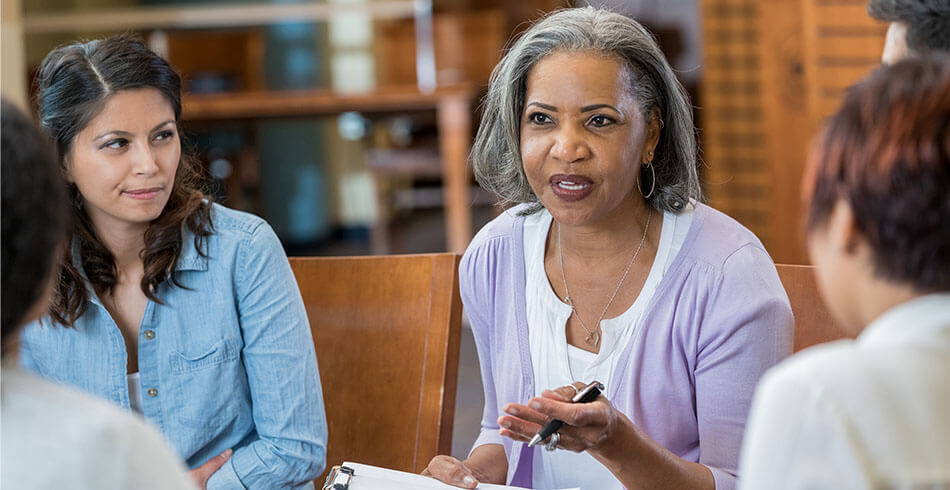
347,123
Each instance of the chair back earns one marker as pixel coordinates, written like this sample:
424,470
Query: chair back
386,331
813,323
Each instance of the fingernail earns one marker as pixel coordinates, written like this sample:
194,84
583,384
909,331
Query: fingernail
535,405
512,410
506,424
469,480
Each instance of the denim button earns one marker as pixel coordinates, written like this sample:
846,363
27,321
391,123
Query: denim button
152,392
150,334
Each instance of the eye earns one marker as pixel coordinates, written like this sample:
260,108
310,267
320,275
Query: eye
115,144
165,135
600,120
538,118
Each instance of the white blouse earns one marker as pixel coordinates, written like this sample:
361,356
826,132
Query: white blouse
867,413
556,363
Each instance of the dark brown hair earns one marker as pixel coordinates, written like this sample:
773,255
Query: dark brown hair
35,216
886,153
73,84
927,21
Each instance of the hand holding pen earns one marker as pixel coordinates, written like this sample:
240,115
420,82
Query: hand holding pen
584,425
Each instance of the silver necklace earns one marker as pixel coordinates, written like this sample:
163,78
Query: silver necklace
593,336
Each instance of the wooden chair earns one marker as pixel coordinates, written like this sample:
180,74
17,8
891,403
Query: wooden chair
386,331
813,323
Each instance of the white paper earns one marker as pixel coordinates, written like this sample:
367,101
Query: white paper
366,477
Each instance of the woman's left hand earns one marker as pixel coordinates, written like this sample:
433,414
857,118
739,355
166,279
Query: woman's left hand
587,426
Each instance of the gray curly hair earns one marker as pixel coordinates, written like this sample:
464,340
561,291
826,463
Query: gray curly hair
496,154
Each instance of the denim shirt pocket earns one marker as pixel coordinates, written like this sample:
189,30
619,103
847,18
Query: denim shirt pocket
205,384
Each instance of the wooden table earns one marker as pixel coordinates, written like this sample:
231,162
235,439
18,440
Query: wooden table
453,105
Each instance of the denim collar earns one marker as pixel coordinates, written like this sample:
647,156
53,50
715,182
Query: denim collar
188,260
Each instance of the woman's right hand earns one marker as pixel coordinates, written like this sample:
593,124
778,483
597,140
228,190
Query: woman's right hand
201,474
486,464
449,470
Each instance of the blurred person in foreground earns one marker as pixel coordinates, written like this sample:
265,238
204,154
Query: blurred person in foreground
55,437
872,412
916,26
608,268
166,303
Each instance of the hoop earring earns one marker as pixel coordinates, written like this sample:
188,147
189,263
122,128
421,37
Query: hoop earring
652,180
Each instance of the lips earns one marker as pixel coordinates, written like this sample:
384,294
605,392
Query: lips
143,193
571,187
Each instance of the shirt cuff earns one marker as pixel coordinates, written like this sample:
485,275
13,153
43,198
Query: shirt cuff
487,436
225,478
724,480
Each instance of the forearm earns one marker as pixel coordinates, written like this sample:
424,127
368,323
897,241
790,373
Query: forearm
488,463
639,462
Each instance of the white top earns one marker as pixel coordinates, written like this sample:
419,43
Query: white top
135,391
869,413
54,437
557,364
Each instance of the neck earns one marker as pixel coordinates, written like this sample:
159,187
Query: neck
126,243
877,297
616,233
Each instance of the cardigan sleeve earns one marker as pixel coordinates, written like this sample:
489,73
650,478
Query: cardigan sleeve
747,330
476,282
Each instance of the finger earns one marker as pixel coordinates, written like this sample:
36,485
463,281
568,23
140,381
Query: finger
513,435
526,413
563,393
452,471
523,428
576,414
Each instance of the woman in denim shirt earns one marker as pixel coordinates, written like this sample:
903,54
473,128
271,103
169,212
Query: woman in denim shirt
173,306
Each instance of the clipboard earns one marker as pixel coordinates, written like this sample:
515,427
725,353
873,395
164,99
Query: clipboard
356,476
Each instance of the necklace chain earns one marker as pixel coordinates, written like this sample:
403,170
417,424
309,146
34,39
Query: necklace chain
593,336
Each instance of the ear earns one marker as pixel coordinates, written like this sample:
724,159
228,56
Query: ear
66,167
654,125
843,232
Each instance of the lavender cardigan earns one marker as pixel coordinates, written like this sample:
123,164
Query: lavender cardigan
719,318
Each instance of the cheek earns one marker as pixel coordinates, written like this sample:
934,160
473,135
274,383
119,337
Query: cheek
170,160
532,156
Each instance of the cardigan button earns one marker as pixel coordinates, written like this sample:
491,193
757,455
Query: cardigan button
152,392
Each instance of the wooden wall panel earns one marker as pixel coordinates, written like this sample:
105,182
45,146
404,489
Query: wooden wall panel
786,123
842,45
773,70
736,175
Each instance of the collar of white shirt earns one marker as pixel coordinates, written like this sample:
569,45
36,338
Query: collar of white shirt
922,319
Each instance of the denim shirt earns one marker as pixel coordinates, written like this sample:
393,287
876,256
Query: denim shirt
226,362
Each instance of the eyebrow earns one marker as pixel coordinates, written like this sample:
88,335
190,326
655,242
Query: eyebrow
126,133
586,108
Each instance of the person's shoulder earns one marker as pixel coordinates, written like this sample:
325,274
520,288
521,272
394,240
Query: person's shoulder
823,367
69,435
717,238
503,227
230,221
56,404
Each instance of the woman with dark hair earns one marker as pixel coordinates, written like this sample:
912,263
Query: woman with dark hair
174,307
54,436
872,412
608,268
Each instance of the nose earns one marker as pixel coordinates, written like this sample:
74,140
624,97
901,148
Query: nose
144,161
569,145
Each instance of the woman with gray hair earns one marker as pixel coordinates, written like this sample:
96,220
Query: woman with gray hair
608,268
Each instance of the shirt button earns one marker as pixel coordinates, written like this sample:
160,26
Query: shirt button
152,392
150,334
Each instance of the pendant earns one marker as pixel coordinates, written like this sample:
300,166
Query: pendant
593,338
